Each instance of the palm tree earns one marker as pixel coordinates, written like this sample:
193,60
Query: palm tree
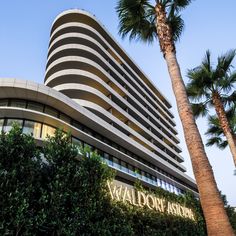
215,133
143,21
211,87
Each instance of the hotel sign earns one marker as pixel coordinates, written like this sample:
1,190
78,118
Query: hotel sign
134,197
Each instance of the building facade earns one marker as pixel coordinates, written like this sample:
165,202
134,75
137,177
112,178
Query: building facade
94,90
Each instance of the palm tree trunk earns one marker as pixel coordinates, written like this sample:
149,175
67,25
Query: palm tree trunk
224,123
212,205
213,208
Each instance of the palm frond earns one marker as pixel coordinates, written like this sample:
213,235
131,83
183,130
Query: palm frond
136,20
213,141
175,6
214,128
199,109
215,131
224,84
229,99
199,85
206,63
218,141
177,26
225,62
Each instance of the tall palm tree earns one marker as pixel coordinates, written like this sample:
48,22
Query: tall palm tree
141,20
211,87
215,133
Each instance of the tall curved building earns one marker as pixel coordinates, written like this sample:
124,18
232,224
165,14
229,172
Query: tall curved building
93,89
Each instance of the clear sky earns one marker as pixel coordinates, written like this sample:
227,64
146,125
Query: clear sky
24,35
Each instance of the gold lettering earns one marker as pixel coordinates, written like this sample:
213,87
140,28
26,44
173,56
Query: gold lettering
115,192
150,201
141,199
174,208
127,196
134,202
160,204
169,208
138,198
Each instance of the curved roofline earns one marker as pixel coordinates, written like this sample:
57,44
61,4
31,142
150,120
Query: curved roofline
92,16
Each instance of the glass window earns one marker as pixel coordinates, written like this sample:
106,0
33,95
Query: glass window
88,131
35,106
128,153
47,131
18,103
131,169
65,118
77,124
122,150
1,124
106,155
100,153
76,141
116,163
144,176
154,181
138,173
105,140
124,166
107,159
3,103
110,161
10,122
98,136
51,111
31,127
114,145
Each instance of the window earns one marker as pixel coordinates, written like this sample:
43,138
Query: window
77,142
35,106
98,136
124,166
106,141
47,131
65,118
116,163
138,173
154,181
131,169
51,111
88,131
3,103
114,145
77,124
1,124
31,127
18,103
10,123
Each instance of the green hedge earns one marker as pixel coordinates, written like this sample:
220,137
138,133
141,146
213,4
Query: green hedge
58,193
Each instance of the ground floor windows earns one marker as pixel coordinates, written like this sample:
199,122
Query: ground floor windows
41,131
31,127
9,123
47,131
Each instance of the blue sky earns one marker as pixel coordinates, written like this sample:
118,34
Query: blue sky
24,35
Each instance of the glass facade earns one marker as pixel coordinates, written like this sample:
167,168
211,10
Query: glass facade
54,112
9,124
31,127
39,130
47,131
